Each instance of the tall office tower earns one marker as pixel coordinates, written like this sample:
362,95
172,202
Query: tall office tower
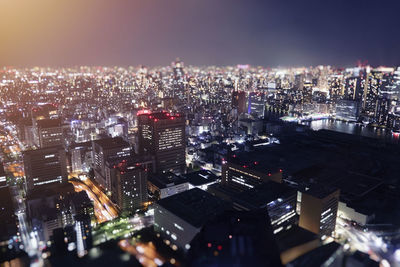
178,85
256,104
299,82
318,209
104,150
163,135
352,89
49,132
241,172
382,111
336,87
181,216
239,101
348,110
81,157
396,83
25,131
45,166
128,185
278,199
372,86
235,238
42,112
47,111
306,94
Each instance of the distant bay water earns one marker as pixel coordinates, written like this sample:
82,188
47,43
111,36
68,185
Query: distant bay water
354,128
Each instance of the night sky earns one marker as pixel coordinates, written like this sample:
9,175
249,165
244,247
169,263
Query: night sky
201,32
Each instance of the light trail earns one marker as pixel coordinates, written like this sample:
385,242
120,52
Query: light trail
103,207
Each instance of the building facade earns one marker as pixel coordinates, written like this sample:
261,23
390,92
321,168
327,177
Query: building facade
163,135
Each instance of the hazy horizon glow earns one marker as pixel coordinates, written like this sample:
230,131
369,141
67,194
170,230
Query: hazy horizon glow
200,32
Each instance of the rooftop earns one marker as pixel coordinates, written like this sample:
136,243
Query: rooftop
294,237
319,191
166,180
40,151
155,116
263,194
126,165
261,161
195,206
200,177
107,143
49,123
351,184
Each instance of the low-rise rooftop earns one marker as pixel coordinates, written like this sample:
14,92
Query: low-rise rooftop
194,206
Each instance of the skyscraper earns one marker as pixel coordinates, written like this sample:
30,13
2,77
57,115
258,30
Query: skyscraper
106,149
45,166
163,135
129,186
256,104
318,210
49,132
42,112
347,110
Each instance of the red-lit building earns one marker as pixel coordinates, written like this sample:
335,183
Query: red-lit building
163,135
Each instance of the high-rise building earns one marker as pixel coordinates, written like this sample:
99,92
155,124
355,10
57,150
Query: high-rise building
128,185
45,166
81,157
42,112
353,90
49,132
318,210
107,149
180,217
177,83
256,104
163,135
49,208
347,110
372,85
239,101
382,111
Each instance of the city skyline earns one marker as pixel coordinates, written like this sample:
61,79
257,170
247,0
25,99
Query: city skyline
199,133
153,33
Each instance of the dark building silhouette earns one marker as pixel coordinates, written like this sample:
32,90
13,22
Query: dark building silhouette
235,239
239,101
319,205
45,167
